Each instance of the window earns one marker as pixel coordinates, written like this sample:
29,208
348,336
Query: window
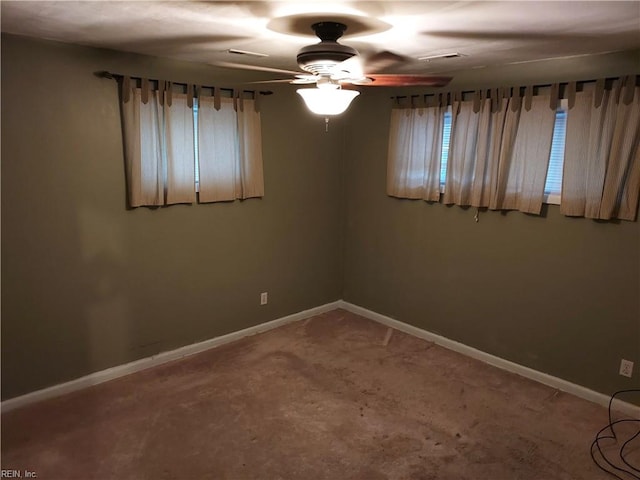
446,137
553,184
501,158
195,141
174,150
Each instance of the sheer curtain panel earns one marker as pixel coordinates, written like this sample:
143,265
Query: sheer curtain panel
180,151
159,149
476,134
250,150
415,150
601,177
229,149
524,156
143,140
499,152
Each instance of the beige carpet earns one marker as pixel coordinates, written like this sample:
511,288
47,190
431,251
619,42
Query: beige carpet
323,398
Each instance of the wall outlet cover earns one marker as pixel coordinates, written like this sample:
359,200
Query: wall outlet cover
626,368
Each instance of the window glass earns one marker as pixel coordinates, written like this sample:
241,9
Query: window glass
553,184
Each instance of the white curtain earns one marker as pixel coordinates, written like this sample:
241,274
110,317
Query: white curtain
250,150
500,146
415,150
524,156
143,149
499,153
180,151
601,177
475,140
159,149
229,150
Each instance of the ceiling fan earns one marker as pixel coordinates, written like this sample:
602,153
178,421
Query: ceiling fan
331,65
330,62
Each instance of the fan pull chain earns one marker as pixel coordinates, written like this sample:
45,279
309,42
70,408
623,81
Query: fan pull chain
326,124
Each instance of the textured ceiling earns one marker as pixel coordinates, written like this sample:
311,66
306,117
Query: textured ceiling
487,34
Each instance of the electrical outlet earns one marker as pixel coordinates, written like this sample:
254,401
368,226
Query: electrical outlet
626,368
264,298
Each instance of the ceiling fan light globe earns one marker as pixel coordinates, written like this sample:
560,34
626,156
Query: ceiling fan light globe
327,102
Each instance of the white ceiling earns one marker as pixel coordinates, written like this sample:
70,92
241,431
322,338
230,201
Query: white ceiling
486,33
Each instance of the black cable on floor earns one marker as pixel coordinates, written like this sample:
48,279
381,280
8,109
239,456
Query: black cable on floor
624,445
610,467
613,437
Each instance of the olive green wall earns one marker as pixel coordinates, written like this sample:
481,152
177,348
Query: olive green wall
88,284
556,294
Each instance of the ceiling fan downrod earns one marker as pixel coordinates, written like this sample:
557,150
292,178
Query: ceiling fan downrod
329,31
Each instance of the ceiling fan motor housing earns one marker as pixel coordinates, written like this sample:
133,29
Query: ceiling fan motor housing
321,57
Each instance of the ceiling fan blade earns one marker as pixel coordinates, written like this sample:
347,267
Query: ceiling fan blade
307,76
284,80
389,80
304,80
299,80
379,61
351,68
255,68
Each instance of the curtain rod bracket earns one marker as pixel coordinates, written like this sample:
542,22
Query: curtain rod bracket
104,74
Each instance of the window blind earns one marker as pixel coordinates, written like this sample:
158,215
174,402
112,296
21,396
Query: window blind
446,137
553,184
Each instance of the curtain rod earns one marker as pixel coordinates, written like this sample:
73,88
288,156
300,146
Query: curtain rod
607,81
118,76
559,90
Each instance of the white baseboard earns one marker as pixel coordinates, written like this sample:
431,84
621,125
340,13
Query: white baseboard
155,360
549,380
164,357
